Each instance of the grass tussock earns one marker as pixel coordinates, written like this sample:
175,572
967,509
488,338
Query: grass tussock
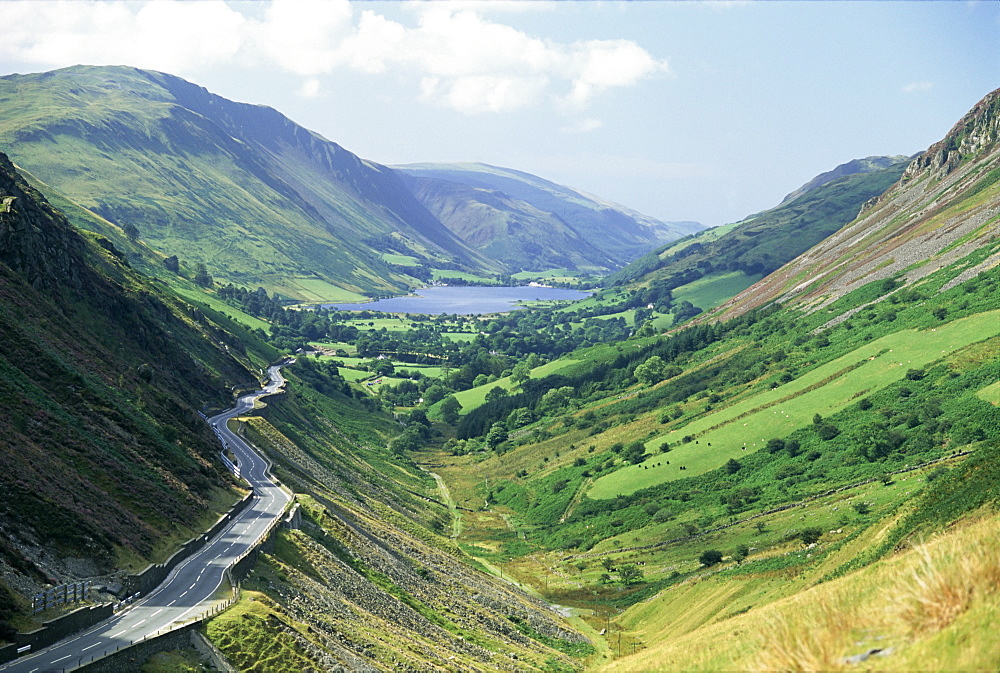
908,603
811,636
947,579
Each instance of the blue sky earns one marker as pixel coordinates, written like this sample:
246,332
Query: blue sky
704,111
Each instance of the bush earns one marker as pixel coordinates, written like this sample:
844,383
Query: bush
810,535
710,557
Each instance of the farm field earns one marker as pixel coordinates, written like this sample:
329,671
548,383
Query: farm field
714,289
776,413
476,397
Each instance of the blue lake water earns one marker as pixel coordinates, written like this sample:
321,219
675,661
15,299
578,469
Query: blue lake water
463,300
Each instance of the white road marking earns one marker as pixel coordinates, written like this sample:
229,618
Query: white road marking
89,646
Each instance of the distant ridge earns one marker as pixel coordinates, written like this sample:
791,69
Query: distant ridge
531,223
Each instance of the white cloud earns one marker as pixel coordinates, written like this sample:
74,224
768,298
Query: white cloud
451,53
914,87
170,36
309,88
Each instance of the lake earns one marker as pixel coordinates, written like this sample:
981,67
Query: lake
463,300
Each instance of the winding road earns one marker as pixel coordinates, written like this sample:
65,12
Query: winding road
188,591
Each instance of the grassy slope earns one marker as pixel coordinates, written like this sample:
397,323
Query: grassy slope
763,242
105,457
934,602
589,218
367,581
778,412
950,337
240,188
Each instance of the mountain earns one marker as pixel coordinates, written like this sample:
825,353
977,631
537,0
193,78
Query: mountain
240,188
943,208
853,167
806,479
105,462
762,243
533,224
106,466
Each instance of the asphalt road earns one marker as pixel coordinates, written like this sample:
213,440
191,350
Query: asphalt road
188,591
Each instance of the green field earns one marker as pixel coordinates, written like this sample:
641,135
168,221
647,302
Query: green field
389,324
353,375
461,337
991,394
776,413
714,289
475,397
401,260
314,290
437,274
195,295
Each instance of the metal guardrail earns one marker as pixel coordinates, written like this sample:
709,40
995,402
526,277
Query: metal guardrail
60,595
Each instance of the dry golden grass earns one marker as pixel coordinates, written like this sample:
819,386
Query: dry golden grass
932,608
917,596
947,579
812,635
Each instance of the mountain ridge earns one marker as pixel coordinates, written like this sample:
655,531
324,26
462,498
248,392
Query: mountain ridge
943,207
594,230
238,187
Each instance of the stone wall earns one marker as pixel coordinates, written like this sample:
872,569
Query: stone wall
131,659
153,575
56,629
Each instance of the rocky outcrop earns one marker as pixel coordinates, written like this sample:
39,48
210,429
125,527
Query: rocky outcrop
35,239
945,207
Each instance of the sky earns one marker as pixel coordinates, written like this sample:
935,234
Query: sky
707,111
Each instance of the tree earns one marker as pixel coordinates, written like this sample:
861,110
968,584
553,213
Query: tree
519,418
741,553
629,574
131,231
710,557
810,535
732,466
450,410
410,440
435,393
521,373
608,564
172,264
653,370
775,445
495,393
496,436
201,276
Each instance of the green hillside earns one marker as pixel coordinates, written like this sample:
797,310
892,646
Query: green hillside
763,242
240,188
515,232
106,463
533,223
679,487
